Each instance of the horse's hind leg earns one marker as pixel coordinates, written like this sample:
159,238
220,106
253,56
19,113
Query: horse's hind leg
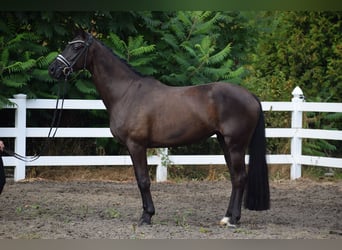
234,156
139,159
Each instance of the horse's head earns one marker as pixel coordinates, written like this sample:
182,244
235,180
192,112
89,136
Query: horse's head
73,57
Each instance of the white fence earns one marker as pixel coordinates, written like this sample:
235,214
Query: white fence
297,106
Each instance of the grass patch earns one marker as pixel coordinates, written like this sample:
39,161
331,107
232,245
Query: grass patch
112,213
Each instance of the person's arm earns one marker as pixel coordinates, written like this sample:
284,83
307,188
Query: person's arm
2,145
2,170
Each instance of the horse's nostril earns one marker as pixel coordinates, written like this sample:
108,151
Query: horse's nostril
51,69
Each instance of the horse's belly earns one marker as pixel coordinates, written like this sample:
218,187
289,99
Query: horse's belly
178,136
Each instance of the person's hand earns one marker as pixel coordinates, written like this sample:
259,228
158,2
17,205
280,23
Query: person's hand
2,145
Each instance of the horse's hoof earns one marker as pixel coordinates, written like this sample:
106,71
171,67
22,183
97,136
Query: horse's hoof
145,220
225,222
144,223
232,226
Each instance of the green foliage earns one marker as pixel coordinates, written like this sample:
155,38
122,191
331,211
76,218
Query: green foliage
136,51
199,52
23,62
268,52
191,43
299,49
29,42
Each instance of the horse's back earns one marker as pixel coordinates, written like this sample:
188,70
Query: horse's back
182,115
229,100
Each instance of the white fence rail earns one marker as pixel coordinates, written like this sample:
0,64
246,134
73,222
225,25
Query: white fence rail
296,133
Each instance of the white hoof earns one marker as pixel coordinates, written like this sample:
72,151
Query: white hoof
225,222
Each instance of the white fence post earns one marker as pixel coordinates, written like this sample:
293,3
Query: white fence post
161,172
296,142
20,139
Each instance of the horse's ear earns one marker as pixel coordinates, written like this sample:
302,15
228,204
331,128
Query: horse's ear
80,32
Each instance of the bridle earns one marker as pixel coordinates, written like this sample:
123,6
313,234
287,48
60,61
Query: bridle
68,69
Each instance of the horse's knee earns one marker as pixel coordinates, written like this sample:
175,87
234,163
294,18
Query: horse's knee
144,183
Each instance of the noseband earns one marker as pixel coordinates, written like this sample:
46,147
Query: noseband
68,69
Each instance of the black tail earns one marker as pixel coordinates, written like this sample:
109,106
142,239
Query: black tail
257,189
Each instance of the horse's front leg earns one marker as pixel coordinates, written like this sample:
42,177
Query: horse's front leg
139,159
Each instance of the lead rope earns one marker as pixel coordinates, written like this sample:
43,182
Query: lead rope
50,135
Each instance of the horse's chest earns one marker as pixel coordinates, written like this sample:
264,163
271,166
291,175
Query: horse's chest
122,130
118,133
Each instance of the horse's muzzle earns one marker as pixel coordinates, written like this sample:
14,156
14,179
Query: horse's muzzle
56,70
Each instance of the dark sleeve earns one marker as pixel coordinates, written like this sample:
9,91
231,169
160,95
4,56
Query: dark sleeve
2,175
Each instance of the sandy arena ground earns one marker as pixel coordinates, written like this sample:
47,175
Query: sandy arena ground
41,209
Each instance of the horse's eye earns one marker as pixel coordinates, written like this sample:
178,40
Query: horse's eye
77,46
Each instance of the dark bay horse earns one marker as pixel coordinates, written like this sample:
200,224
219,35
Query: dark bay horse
145,113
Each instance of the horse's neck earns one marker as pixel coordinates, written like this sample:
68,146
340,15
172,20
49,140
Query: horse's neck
111,76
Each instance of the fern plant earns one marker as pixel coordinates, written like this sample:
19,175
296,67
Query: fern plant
23,62
191,46
135,50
